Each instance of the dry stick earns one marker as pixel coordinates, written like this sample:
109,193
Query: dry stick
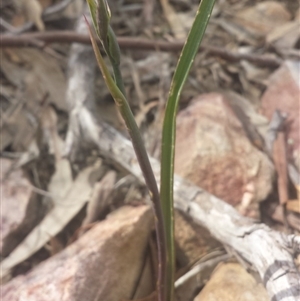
280,162
26,40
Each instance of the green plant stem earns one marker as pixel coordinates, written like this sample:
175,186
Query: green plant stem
144,163
168,135
118,79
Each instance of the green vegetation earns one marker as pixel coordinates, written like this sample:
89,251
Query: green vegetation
163,201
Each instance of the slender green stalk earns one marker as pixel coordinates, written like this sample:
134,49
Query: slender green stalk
168,135
163,210
144,163
118,78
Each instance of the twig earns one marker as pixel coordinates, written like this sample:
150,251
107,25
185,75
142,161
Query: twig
26,40
280,161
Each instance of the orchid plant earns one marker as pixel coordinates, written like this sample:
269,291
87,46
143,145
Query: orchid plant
163,199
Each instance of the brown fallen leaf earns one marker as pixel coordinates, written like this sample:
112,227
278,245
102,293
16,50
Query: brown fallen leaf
101,198
66,207
173,20
32,11
42,76
68,196
284,36
263,17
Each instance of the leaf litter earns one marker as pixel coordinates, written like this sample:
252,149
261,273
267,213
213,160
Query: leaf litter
39,79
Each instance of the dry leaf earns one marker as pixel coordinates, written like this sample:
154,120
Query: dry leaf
32,11
42,76
68,196
100,198
42,80
15,194
66,207
175,23
284,36
263,17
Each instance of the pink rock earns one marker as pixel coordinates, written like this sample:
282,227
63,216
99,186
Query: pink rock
104,264
213,151
231,282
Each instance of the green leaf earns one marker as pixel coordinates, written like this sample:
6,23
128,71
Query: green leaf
93,10
169,126
103,22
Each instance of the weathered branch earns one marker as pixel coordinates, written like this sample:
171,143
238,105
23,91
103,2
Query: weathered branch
30,40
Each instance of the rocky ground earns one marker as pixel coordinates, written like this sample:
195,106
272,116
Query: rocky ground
75,217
